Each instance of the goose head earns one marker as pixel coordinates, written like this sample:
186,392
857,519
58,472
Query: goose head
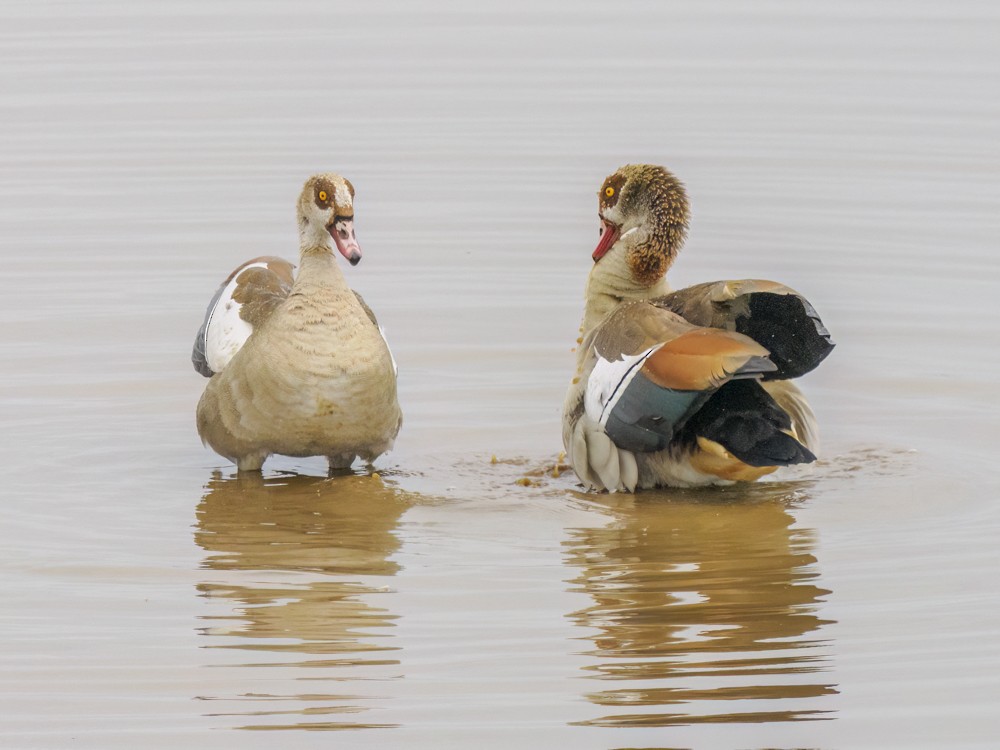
326,215
643,210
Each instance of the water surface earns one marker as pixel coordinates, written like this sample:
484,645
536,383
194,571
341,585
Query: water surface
153,599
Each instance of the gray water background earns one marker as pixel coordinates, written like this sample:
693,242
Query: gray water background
849,150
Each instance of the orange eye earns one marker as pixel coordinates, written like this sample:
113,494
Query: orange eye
609,191
322,195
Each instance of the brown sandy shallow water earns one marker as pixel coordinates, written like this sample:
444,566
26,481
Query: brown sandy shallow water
151,599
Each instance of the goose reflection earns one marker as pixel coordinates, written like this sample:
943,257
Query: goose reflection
299,566
704,602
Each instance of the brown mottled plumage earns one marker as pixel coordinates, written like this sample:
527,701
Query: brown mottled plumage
661,196
668,386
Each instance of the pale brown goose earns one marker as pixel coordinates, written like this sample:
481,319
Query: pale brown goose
298,367
682,388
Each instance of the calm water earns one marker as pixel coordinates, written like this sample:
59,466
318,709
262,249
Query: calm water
151,599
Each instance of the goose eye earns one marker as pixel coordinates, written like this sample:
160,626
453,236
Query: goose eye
322,195
609,191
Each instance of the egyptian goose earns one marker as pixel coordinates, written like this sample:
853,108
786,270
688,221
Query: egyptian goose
683,388
298,366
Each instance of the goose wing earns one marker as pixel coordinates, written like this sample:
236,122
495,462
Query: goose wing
242,303
381,330
652,370
772,314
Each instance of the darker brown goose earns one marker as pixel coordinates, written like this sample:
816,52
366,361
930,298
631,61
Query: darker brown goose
682,388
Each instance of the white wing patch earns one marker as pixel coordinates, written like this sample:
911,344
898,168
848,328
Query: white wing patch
395,369
226,331
608,380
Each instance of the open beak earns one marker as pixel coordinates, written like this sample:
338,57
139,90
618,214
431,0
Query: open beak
609,235
342,231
